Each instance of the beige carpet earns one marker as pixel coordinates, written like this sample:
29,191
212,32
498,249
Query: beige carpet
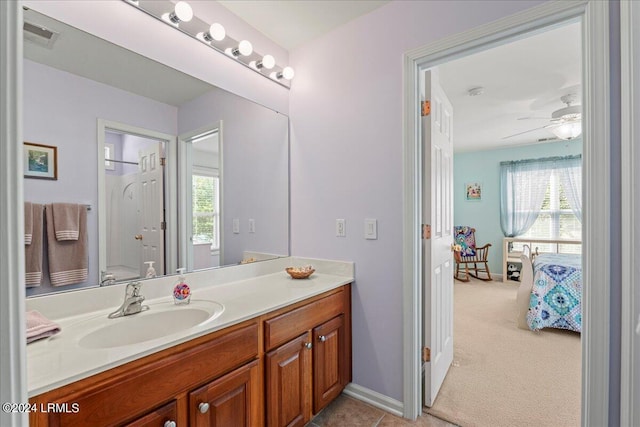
505,376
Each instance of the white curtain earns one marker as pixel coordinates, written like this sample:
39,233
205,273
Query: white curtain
523,185
570,172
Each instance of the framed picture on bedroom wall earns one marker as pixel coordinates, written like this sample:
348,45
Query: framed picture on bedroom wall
473,191
40,161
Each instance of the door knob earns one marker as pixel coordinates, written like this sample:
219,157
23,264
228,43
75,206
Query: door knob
322,338
138,236
203,407
308,345
170,423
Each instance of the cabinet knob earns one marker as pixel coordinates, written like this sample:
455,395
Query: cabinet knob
322,338
170,423
308,345
203,407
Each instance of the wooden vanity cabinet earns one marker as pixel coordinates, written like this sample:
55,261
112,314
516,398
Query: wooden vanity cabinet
279,368
308,360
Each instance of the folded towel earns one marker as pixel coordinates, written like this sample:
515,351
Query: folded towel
66,220
33,252
39,327
68,259
28,223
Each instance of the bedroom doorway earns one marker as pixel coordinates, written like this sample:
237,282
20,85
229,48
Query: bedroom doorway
594,370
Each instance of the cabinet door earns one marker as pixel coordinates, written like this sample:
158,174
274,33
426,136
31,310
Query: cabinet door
164,416
229,401
289,383
328,362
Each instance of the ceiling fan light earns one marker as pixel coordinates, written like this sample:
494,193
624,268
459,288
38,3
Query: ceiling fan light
567,130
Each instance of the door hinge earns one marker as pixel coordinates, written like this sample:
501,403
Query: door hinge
426,354
163,161
426,231
163,225
425,107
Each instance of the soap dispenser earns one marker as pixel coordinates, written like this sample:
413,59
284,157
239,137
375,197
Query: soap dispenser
151,272
181,291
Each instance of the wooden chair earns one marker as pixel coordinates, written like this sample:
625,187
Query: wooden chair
468,253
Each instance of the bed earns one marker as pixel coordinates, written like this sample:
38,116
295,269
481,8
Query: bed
550,292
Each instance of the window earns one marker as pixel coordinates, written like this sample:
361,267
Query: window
206,202
556,219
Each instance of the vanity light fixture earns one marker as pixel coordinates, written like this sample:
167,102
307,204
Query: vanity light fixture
182,12
286,73
215,37
216,32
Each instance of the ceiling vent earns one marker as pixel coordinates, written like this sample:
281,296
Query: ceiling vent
39,35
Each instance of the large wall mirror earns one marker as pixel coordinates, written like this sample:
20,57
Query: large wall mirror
172,171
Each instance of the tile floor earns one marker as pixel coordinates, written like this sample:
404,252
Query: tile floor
348,412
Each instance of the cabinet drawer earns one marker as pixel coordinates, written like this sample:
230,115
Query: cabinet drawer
286,326
130,393
159,417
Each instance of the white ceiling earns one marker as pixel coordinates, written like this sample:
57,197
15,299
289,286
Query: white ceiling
291,23
525,78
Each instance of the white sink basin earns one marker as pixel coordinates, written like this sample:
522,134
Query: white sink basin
160,320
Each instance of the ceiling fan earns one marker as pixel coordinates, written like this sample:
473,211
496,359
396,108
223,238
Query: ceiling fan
566,123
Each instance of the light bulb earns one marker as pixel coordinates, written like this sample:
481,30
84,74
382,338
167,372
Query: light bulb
182,12
216,32
267,62
287,73
244,48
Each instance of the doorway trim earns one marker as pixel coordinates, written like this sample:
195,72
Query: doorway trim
171,236
594,16
185,191
630,135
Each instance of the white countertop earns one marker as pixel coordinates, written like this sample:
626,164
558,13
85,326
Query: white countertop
60,360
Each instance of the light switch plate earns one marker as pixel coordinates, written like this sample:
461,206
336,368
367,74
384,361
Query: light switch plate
252,225
236,225
370,229
341,228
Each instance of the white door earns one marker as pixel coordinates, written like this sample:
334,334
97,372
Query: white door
437,212
150,184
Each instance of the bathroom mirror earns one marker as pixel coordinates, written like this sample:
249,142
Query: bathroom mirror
170,168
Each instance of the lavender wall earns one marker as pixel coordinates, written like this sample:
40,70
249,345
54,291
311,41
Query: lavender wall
346,160
62,109
255,180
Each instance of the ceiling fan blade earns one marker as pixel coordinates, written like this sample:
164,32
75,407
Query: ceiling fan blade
526,131
534,118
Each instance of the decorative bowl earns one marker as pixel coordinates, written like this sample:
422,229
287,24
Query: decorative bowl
300,272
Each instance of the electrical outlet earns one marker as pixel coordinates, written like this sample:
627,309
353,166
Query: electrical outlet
341,228
236,226
252,225
370,229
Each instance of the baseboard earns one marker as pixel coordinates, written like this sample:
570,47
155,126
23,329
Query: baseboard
374,398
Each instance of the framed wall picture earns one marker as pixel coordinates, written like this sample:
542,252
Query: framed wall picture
40,161
473,191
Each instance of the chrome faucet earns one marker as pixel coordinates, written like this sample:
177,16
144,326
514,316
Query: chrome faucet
132,301
107,278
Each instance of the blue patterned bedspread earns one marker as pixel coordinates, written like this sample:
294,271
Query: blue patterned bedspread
556,293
